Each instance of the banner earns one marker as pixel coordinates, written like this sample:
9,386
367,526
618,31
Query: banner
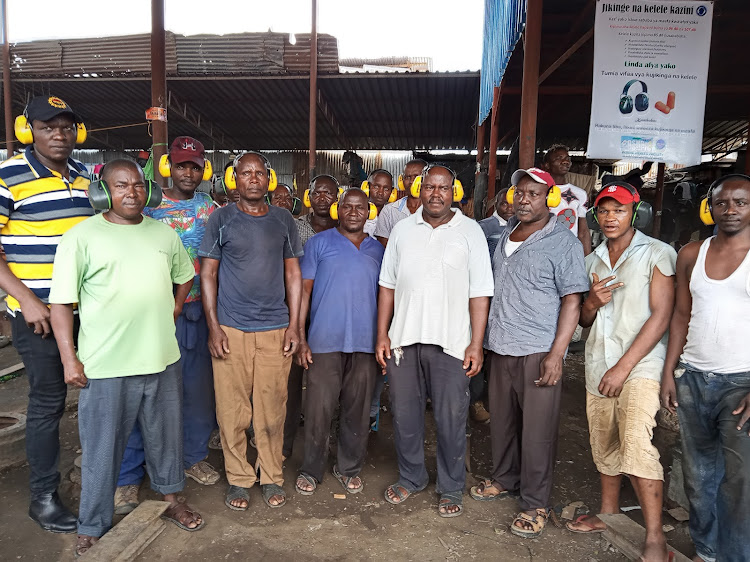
649,87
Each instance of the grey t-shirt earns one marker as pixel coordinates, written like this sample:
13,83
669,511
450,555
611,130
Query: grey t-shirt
251,251
390,215
528,287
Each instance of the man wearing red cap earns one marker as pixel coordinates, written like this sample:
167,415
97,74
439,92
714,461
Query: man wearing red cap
43,193
539,277
186,211
628,309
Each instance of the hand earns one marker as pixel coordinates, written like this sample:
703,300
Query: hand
291,341
218,343
668,393
36,314
613,381
177,312
551,370
599,295
74,374
383,351
743,408
304,355
473,357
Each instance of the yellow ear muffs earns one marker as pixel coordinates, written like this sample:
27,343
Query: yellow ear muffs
509,194
23,131
554,197
705,212
208,170
272,181
393,197
334,211
81,133
365,187
458,191
306,199
401,186
229,180
416,187
164,168
373,212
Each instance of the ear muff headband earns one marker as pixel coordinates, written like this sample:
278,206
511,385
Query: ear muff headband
25,135
553,199
101,199
165,168
706,209
230,177
416,187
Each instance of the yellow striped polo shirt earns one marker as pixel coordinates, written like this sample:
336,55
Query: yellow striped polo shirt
37,206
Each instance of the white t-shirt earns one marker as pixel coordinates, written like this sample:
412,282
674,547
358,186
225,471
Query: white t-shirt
370,225
434,272
572,206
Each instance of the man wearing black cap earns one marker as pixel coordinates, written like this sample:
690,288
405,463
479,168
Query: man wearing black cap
42,195
186,211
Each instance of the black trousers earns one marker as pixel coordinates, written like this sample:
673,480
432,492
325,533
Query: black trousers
344,379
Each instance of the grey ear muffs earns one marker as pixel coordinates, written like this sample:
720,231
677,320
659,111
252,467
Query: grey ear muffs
101,199
641,100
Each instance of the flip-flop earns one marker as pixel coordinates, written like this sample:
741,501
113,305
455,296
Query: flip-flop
401,492
237,493
583,520
477,492
271,490
451,499
346,480
173,514
310,480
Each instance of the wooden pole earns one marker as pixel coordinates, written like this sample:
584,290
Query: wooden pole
658,200
7,85
530,83
480,187
158,84
494,132
313,89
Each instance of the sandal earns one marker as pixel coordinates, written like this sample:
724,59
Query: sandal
448,500
203,473
305,479
180,514
84,543
271,490
214,442
346,480
126,498
536,522
583,520
237,493
480,493
400,492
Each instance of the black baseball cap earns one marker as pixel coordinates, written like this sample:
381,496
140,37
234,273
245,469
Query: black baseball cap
45,108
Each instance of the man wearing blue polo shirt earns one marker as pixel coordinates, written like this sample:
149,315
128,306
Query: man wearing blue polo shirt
340,271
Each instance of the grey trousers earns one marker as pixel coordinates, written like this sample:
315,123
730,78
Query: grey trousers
422,371
107,412
332,379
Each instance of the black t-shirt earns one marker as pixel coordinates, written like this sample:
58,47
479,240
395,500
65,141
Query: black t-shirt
251,251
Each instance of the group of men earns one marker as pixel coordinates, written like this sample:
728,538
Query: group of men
161,305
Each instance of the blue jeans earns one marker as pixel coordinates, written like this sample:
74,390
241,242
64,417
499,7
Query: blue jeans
716,463
198,398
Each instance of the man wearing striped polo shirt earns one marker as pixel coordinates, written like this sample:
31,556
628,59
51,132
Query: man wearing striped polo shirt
42,195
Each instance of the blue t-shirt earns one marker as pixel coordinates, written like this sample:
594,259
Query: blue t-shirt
251,251
344,302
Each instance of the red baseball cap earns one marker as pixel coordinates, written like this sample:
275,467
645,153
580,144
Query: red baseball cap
187,149
621,192
538,175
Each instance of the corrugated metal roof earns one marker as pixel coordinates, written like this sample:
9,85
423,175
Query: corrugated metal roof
297,56
241,53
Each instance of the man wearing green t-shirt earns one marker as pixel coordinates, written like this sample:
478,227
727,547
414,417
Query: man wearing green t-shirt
121,269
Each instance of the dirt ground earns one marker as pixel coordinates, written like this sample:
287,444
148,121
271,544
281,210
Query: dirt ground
360,527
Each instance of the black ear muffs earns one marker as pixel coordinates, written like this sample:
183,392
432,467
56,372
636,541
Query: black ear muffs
101,199
643,212
641,100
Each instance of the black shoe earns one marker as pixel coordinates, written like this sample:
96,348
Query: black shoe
52,515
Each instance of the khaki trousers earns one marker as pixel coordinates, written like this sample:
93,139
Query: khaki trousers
251,387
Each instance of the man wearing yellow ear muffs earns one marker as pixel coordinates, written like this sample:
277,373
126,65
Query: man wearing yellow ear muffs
42,195
404,207
186,211
379,187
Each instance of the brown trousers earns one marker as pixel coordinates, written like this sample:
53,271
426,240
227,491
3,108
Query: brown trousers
250,387
523,425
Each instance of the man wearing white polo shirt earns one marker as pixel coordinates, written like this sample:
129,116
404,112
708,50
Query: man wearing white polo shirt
435,288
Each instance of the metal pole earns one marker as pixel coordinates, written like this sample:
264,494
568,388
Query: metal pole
658,200
747,151
158,83
7,85
480,184
530,84
494,133
313,87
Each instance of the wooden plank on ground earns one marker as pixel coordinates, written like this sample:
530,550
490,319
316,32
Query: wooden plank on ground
628,536
132,535
12,369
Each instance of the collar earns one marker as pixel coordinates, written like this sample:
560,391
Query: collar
455,219
75,169
513,222
401,203
500,219
639,239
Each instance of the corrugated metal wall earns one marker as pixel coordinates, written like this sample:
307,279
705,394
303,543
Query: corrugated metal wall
504,21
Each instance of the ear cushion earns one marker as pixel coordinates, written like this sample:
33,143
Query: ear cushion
208,170
229,180
458,191
334,211
401,185
641,102
154,194
99,195
306,199
626,104
373,212
365,187
164,168
705,212
272,181
592,219
509,194
22,129
643,215
554,197
296,206
416,187
81,133
393,197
